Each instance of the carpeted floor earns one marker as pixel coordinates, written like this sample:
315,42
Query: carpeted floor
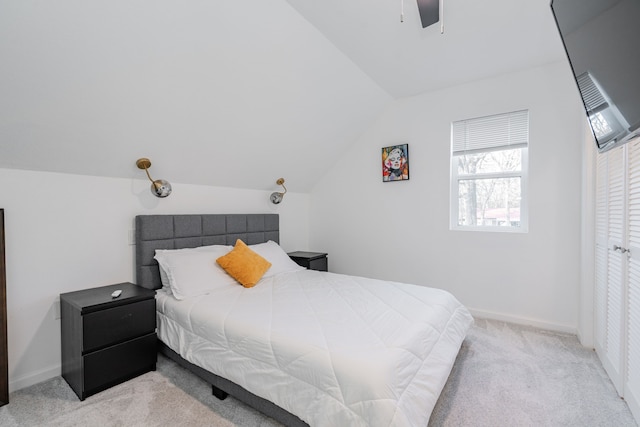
505,375
511,375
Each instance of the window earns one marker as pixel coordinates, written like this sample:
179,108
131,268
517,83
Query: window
489,173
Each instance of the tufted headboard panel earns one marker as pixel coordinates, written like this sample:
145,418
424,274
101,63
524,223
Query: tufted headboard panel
189,231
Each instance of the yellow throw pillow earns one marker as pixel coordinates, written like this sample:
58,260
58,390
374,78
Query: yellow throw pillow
244,265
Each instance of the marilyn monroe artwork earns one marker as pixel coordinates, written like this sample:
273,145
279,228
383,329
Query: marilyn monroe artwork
395,163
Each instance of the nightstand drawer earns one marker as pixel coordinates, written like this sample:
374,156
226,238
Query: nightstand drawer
117,363
319,264
114,325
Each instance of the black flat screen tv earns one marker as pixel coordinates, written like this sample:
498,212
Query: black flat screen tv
602,41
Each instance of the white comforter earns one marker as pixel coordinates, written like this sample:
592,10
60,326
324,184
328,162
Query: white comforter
334,350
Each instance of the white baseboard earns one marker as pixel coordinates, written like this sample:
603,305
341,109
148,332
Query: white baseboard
35,378
483,314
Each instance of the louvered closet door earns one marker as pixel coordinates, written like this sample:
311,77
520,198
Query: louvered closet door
611,263
632,387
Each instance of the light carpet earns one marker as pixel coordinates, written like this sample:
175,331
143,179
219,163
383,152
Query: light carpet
505,375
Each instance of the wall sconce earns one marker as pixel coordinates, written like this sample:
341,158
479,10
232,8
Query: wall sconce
276,197
159,187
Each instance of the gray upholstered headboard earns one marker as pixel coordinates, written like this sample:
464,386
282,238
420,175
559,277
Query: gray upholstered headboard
189,231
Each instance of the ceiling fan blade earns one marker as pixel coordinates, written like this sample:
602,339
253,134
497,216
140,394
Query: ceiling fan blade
429,12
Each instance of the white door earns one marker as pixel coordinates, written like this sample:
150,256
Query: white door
611,263
632,386
617,293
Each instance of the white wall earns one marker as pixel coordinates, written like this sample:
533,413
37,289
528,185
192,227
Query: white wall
400,230
204,81
70,232
586,317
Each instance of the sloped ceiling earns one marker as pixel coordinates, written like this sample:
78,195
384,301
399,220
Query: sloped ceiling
233,94
480,39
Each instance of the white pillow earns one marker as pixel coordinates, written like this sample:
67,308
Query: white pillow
166,286
193,272
280,261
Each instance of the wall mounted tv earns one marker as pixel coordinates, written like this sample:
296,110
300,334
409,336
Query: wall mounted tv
602,41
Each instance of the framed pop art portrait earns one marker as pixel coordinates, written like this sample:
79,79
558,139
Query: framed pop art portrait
395,163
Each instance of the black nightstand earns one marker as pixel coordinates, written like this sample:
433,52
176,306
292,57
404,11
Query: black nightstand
311,260
105,340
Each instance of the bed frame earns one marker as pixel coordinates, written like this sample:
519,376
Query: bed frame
188,231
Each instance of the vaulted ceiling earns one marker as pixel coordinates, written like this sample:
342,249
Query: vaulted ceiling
477,39
235,94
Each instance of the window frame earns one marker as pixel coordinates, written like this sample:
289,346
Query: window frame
456,177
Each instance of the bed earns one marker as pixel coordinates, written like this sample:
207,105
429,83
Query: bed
304,347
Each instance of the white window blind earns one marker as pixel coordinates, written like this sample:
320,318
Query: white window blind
490,133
